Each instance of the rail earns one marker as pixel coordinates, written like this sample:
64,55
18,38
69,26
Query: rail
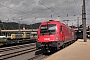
27,30
16,51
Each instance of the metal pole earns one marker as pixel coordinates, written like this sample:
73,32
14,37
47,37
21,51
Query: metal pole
72,25
84,21
19,26
67,22
31,27
51,16
78,22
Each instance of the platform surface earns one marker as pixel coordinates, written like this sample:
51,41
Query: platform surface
79,50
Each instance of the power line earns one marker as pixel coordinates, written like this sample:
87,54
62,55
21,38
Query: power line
45,9
51,7
14,9
59,3
58,7
18,10
76,5
32,13
48,8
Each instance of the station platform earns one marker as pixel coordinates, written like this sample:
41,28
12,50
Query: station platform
79,50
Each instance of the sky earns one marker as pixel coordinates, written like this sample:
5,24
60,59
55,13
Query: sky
34,11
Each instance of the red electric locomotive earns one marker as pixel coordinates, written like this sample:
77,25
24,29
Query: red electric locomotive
53,35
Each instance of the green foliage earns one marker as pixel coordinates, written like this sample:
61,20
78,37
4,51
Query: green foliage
0,21
13,26
3,39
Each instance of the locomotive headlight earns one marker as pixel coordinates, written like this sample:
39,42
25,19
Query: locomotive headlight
56,37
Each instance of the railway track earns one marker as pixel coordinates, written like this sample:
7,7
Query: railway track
8,43
16,47
43,56
22,52
15,52
38,57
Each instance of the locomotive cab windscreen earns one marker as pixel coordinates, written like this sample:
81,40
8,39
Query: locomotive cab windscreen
48,29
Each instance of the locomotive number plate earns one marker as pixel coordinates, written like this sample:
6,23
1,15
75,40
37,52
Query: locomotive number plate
46,38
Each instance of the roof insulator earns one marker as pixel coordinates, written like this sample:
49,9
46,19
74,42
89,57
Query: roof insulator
51,20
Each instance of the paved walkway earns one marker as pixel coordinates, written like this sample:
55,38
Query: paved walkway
79,50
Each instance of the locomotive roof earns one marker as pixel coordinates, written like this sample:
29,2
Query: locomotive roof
51,21
55,22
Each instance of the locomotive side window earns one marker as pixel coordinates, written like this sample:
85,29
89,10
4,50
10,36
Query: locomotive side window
48,29
60,28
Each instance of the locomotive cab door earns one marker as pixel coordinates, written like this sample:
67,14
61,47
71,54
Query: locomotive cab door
61,33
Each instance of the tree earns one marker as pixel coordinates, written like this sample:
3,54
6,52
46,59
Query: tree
0,21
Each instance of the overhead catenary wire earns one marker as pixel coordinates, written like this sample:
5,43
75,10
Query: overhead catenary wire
58,7
32,13
77,5
14,9
48,8
22,12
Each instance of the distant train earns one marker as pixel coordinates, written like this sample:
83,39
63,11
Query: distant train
88,34
79,34
52,35
20,36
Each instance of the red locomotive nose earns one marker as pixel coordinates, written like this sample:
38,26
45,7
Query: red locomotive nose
53,34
